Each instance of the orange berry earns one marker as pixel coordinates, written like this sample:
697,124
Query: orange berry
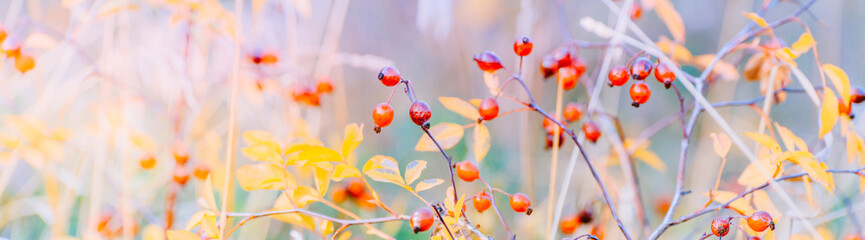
640,68
180,152
640,93
721,226
338,194
569,224
520,203
636,10
843,108
382,115
852,237
551,138
481,201
523,46
324,85
551,126
355,188
488,61
269,58
562,55
366,201
567,76
761,220
306,95
256,56
201,170
664,75
753,238
147,161
549,65
858,95
24,63
618,76
11,47
591,131
389,76
420,113
467,171
421,220
180,175
489,109
572,112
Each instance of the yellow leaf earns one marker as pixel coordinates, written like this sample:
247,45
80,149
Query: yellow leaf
346,235
413,170
721,143
447,135
861,184
153,232
9,141
805,42
262,153
492,82
316,154
143,142
206,193
459,206
839,80
482,142
476,102
828,112
384,169
208,223
816,172
739,205
679,53
325,227
304,195
460,107
765,141
258,137
323,172
757,19
181,235
672,19
791,141
650,158
762,201
342,171
263,176
427,184
195,220
725,70
282,204
353,137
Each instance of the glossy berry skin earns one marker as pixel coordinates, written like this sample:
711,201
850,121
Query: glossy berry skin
24,63
640,93
382,115
180,175
389,76
467,171
147,161
664,75
562,55
721,226
618,76
549,65
488,61
481,201
323,86
201,170
636,11
421,220
489,109
520,203
523,46
567,76
419,112
640,68
591,131
569,224
760,221
857,95
355,188
572,112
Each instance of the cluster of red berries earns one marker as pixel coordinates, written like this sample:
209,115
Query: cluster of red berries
353,189
571,113
571,222
856,97
310,95
11,47
759,221
468,171
382,115
639,70
566,64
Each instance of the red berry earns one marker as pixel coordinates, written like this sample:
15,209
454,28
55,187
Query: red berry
489,109
761,220
586,215
488,61
569,224
636,10
255,56
591,131
852,237
11,47
550,126
858,95
421,220
467,171
338,194
520,203
568,77
753,238
523,46
180,175
24,63
201,170
382,115
618,76
419,113
551,137
562,55
641,68
147,161
481,201
721,226
549,66
389,76
180,152
664,75
640,93
269,58
843,108
324,85
572,112
306,95
355,188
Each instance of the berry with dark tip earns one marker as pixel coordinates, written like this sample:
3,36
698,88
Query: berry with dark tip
389,76
640,68
488,61
721,226
618,76
523,46
420,113
421,220
640,93
664,75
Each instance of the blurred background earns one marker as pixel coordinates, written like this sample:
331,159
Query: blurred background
107,70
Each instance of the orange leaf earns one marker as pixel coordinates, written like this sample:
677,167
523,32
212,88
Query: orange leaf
839,80
672,19
829,112
460,107
757,19
447,134
805,42
482,142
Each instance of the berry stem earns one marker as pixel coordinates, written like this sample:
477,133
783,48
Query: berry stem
448,158
496,208
344,222
436,208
